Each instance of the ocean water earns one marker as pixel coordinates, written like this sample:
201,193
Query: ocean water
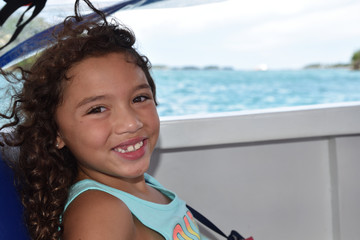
187,92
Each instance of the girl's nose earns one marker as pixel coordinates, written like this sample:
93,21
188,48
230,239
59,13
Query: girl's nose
127,121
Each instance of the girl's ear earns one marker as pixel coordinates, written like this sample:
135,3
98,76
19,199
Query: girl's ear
59,142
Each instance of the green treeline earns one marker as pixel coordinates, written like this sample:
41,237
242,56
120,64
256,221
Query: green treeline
355,61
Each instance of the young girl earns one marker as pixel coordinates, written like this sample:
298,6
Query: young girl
86,124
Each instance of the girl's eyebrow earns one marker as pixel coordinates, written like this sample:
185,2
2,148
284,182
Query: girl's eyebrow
142,86
101,97
89,100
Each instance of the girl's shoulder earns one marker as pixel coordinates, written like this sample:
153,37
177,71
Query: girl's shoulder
98,215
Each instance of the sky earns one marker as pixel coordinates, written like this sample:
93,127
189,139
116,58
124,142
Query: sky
281,34
245,34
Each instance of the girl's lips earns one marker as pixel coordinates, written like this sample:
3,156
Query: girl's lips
132,149
129,148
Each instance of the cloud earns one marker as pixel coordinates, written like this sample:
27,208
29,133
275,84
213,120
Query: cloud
244,34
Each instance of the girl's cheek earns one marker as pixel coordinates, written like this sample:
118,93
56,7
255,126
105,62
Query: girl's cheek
94,134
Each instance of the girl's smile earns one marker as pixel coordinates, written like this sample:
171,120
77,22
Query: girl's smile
132,149
108,118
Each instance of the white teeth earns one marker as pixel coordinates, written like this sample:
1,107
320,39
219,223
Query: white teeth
130,148
138,145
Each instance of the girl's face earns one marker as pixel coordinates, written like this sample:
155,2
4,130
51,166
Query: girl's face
108,119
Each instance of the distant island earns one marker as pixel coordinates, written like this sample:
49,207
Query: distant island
211,67
354,64
328,66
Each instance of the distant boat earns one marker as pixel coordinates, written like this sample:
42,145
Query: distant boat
261,67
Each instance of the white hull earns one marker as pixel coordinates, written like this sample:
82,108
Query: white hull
289,174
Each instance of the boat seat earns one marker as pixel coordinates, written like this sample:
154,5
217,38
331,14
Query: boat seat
11,219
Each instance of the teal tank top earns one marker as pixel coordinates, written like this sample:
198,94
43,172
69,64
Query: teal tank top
173,221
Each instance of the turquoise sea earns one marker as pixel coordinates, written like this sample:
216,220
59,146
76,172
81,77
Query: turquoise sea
188,92
184,92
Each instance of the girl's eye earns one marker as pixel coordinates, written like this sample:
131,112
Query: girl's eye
140,99
95,110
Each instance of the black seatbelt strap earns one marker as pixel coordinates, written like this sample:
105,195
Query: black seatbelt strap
234,235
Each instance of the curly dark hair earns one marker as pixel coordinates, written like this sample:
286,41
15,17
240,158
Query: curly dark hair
45,173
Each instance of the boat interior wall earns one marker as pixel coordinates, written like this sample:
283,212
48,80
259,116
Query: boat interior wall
289,174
